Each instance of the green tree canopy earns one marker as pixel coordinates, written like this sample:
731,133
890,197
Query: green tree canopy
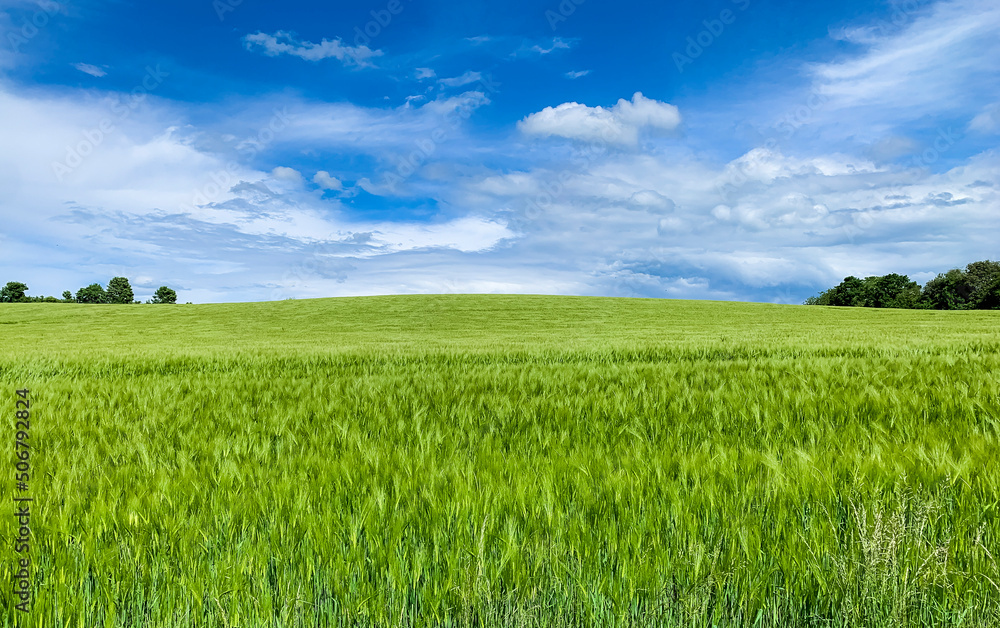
13,292
164,294
94,293
851,292
120,291
983,278
948,291
891,291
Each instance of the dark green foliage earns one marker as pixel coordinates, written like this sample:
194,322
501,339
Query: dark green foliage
68,297
850,293
948,291
120,291
823,298
164,295
977,287
990,297
891,290
94,293
984,280
13,292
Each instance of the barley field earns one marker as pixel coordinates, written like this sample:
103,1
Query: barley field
504,461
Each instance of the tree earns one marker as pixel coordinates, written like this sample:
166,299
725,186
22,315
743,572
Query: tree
164,294
94,293
13,292
891,290
119,291
850,293
983,276
948,291
68,296
823,298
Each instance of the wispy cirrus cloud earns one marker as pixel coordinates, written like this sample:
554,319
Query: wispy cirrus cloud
987,121
458,81
285,43
92,70
932,64
558,43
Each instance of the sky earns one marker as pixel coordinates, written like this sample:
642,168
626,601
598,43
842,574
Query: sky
241,150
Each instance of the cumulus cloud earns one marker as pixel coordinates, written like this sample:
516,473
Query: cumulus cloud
651,200
287,175
327,182
284,42
619,124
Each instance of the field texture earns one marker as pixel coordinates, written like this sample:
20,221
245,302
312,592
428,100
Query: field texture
505,461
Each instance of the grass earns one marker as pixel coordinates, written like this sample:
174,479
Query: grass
507,461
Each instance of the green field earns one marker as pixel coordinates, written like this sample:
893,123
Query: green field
505,461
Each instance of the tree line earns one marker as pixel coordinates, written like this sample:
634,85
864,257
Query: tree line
119,291
975,288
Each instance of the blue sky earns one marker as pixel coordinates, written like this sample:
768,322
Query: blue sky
733,150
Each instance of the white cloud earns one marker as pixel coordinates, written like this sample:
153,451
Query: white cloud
664,221
558,43
652,201
988,121
327,182
287,175
284,42
618,125
424,73
92,70
458,81
161,208
577,74
934,63
464,101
